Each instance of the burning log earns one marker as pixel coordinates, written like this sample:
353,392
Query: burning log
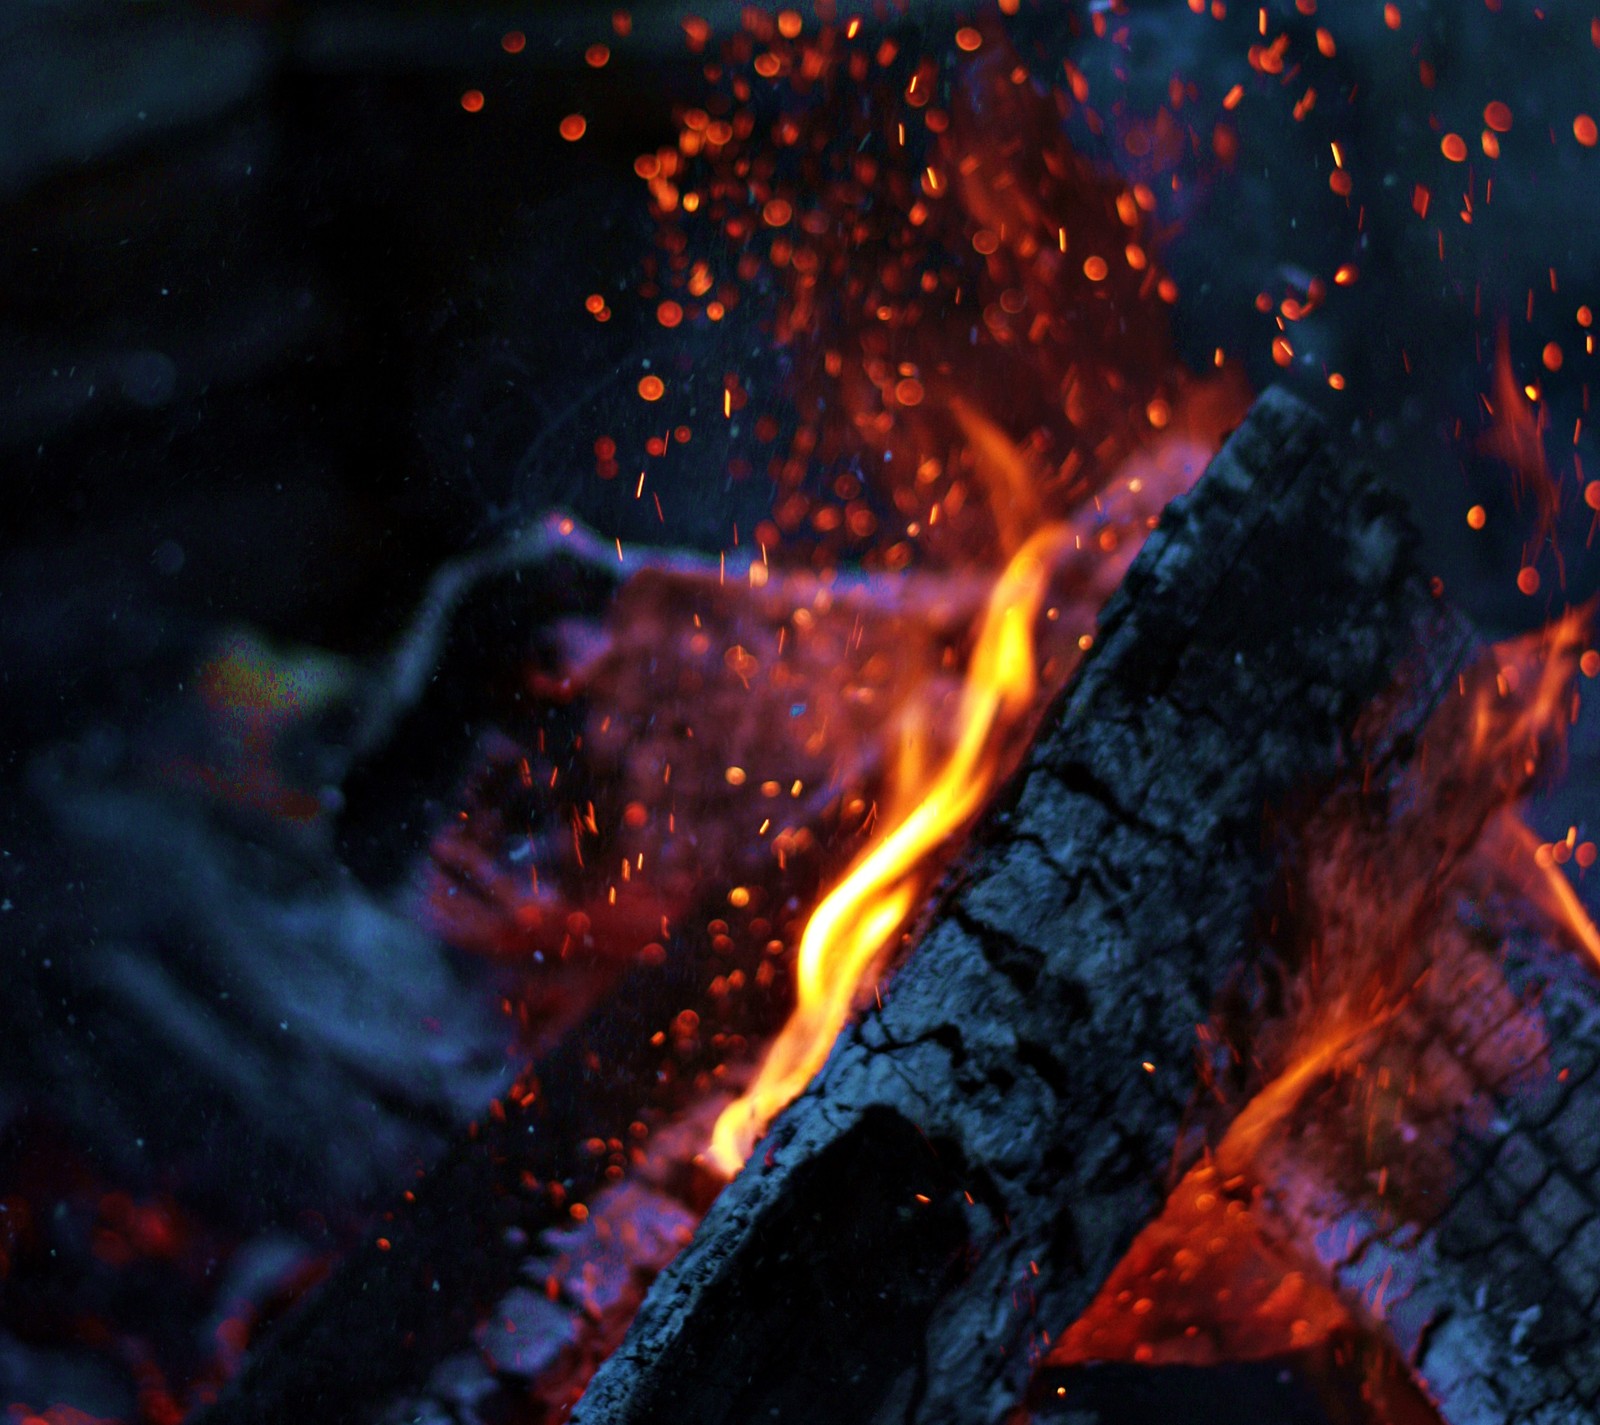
1489,1298
1479,1256
1493,1303
981,1171
1266,610
1413,1178
981,1148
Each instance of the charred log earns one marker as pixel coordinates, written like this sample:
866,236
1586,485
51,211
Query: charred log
1497,1312
1490,1296
1033,1058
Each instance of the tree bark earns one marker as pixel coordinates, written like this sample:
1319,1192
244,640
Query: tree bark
979,1151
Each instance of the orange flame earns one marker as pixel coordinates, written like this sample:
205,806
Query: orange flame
853,928
954,366
1560,902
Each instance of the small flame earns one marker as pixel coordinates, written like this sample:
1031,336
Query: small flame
854,927
1561,901
1401,1032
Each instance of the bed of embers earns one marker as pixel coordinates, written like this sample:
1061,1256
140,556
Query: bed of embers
542,539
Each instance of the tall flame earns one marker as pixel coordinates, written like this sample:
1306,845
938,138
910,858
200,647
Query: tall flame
856,924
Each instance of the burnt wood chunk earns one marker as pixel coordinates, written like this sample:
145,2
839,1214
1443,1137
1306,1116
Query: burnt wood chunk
978,1152
1492,1300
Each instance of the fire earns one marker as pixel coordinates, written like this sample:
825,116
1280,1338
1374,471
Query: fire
851,931
1516,438
987,416
1013,209
1560,901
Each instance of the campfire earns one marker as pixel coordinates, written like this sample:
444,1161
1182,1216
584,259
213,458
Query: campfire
1042,925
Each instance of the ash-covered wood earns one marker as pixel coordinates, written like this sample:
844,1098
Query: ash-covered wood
1491,1298
979,1151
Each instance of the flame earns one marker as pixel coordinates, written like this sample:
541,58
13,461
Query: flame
853,928
967,354
1554,891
